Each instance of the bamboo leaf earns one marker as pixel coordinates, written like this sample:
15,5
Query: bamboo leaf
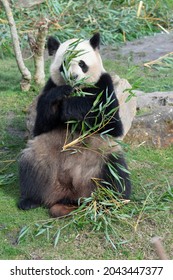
113,171
123,168
106,131
23,232
57,236
41,231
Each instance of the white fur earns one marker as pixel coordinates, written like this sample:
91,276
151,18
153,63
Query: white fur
90,56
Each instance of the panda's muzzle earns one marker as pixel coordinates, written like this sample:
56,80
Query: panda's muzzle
74,76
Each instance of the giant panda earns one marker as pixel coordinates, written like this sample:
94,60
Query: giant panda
56,177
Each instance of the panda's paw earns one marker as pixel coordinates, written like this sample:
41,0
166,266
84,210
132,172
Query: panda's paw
26,204
67,90
59,93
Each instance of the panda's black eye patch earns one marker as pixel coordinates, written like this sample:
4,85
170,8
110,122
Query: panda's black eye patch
83,66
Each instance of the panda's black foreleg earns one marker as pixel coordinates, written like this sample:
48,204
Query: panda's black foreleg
76,108
48,108
116,174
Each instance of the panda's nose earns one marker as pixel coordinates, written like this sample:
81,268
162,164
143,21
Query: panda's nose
74,76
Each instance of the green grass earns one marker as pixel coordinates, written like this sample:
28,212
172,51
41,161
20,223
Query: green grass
148,79
148,214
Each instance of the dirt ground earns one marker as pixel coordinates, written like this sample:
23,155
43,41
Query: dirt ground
142,50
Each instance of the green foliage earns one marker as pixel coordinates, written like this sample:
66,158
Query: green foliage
142,78
102,212
116,20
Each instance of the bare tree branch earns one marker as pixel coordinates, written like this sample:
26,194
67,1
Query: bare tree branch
37,46
26,75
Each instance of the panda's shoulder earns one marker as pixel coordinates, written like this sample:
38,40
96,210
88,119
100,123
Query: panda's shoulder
49,85
105,79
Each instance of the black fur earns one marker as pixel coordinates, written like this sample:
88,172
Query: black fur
55,107
52,45
83,66
30,195
95,41
118,165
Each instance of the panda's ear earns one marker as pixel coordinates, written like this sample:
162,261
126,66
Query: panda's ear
95,41
52,45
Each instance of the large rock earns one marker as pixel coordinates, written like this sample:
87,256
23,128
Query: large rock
153,125
127,109
154,100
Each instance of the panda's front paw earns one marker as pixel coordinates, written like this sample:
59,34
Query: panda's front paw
60,93
67,90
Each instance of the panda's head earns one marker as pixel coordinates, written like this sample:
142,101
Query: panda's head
86,65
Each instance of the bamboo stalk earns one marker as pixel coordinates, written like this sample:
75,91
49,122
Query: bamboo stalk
147,64
166,31
82,137
139,8
77,140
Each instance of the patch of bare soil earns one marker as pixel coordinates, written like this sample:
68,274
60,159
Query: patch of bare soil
142,50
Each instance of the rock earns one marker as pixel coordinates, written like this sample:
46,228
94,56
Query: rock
127,109
153,125
154,99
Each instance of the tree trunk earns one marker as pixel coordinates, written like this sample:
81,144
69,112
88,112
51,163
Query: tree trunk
26,75
37,47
